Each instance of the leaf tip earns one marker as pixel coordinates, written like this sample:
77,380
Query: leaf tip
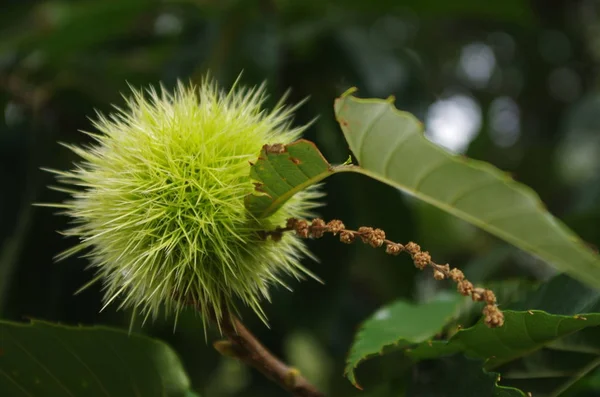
349,373
352,379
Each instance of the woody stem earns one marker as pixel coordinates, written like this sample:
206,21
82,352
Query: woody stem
249,350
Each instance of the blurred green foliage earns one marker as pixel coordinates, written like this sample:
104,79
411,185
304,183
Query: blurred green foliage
514,83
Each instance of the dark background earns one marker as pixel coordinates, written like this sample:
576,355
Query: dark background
511,82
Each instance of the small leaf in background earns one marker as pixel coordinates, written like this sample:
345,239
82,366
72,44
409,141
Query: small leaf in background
390,147
46,360
398,325
282,171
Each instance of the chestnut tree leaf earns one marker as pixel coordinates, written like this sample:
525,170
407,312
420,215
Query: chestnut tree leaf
399,325
521,334
539,352
41,359
282,171
390,147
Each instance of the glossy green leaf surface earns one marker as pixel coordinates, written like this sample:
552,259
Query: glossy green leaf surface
390,146
282,171
45,360
522,333
398,325
542,353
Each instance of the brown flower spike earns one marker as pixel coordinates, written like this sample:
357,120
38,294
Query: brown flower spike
493,317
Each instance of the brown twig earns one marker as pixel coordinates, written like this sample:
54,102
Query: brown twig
493,317
244,346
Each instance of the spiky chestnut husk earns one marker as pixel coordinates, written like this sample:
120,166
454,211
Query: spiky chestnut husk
158,205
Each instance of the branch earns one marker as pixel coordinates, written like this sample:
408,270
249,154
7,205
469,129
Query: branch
244,346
